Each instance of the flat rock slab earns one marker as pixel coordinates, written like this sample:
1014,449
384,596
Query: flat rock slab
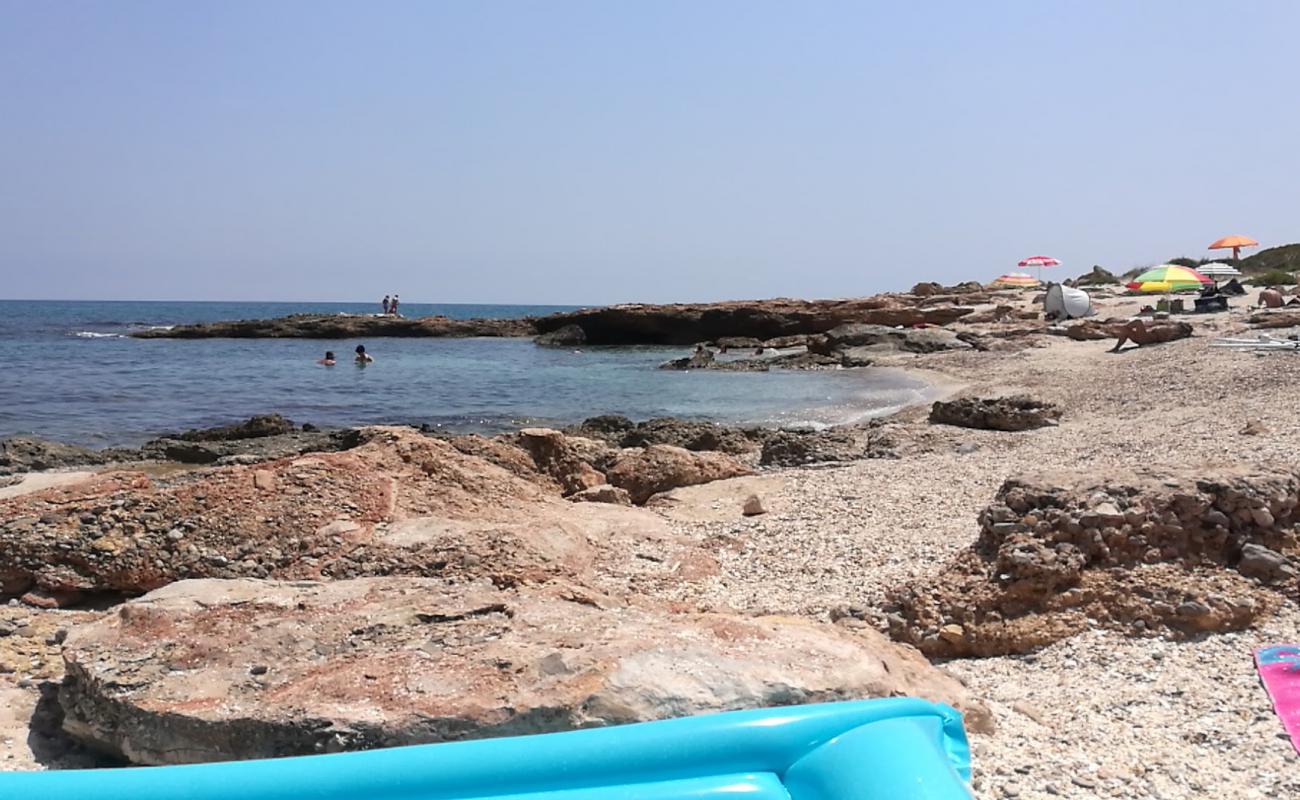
210,670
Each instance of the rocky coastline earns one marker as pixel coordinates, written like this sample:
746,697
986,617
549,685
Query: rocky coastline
631,324
1025,548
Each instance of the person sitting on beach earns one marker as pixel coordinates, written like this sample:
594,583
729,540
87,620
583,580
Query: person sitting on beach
387,305
328,360
1142,333
362,356
1270,298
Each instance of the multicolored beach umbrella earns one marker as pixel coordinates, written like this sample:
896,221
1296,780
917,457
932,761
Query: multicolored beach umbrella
1040,262
1169,278
1017,280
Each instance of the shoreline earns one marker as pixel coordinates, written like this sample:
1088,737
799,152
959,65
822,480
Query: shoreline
836,539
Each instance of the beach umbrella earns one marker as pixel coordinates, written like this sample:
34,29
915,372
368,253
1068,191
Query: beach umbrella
1168,278
1216,271
1017,280
1040,262
1235,243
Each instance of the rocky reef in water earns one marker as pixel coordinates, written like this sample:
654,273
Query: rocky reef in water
675,324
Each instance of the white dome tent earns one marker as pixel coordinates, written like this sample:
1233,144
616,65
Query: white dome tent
1064,302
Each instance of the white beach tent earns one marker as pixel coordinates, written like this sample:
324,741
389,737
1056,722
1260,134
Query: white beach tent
1064,302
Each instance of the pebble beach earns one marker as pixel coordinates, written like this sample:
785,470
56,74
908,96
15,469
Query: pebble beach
1101,713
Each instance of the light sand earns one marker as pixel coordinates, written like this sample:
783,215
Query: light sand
1099,715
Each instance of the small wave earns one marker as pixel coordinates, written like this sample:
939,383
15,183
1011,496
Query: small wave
96,335
157,327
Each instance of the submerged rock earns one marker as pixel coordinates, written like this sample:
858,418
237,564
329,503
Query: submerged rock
216,670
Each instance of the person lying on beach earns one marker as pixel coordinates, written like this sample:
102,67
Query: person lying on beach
328,360
1142,333
1270,298
362,356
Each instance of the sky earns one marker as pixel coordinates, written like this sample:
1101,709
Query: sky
593,152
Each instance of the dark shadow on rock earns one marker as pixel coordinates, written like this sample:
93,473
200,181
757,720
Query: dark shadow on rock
51,746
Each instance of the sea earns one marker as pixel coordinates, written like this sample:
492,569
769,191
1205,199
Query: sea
73,373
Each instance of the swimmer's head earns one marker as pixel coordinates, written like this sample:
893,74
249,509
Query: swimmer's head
329,355
361,348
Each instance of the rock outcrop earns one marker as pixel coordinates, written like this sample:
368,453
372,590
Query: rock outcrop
1018,413
1098,276
215,670
686,324
568,336
660,467
31,454
553,454
400,504
869,339
1180,555
341,326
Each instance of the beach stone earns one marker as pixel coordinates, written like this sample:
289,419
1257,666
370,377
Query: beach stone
660,467
1017,413
602,494
1260,562
381,662
753,506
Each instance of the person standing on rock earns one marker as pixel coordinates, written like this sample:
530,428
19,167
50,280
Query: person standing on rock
393,306
387,305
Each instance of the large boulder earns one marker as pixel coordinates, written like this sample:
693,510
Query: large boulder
401,504
1017,413
690,434
660,467
215,670
797,448
883,338
554,455
1175,554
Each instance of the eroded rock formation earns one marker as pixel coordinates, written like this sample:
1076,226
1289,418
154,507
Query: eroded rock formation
1180,554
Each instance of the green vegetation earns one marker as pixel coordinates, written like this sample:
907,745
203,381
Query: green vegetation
1190,263
1274,277
1285,258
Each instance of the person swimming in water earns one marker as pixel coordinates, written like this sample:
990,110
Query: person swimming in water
328,360
363,357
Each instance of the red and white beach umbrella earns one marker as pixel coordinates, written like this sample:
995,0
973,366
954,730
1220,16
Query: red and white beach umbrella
1040,262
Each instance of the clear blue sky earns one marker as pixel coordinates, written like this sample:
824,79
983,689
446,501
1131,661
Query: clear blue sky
590,152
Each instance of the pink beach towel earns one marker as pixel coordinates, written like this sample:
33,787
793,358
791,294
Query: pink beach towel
1279,669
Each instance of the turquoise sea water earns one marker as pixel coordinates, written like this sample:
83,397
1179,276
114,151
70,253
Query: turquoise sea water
73,374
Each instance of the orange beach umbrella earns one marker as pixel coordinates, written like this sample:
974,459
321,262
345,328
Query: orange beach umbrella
1235,243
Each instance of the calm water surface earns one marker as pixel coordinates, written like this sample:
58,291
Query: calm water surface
74,374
